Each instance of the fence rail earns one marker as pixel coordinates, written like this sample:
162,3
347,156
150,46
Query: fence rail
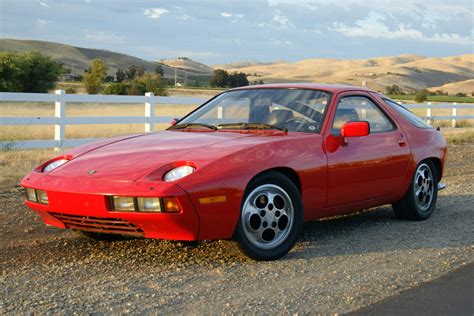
60,120
150,101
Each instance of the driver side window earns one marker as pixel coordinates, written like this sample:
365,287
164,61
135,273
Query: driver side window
360,108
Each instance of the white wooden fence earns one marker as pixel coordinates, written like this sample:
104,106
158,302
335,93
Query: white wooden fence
60,120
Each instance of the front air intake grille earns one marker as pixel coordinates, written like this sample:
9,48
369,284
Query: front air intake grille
99,224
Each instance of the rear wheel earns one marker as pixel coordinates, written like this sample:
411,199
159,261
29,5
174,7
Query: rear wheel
271,218
420,200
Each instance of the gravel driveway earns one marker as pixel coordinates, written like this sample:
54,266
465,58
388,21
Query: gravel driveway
339,266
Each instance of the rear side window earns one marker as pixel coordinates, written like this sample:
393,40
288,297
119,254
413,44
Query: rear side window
407,114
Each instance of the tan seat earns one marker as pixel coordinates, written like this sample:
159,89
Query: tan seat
279,117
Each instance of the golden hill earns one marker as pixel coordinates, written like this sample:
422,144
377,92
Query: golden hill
407,71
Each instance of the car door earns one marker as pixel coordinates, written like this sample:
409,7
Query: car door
367,167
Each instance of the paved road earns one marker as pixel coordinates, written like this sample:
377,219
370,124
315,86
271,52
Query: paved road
452,294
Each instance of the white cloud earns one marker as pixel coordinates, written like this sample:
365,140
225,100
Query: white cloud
282,20
373,26
44,4
154,13
226,15
42,22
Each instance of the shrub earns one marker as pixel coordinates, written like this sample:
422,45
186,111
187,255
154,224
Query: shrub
421,95
28,72
116,88
71,90
152,83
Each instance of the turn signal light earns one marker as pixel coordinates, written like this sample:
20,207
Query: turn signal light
171,205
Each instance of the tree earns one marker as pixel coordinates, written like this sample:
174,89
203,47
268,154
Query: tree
238,79
120,75
421,95
152,83
131,72
393,90
94,77
159,70
149,82
28,72
219,79
140,71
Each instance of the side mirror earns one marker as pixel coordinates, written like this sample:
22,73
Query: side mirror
355,129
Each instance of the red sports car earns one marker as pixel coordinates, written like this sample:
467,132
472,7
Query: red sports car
249,166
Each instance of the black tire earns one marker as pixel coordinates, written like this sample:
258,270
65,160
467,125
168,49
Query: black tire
99,236
286,222
416,207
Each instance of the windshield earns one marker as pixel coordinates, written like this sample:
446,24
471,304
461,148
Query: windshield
297,110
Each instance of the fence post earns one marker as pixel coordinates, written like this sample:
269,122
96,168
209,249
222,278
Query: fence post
59,113
428,113
149,111
455,113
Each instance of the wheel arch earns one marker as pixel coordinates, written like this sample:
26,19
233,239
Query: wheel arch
286,171
438,165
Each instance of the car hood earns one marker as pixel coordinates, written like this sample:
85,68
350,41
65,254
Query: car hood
132,158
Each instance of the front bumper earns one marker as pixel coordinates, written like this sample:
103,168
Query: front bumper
441,186
83,204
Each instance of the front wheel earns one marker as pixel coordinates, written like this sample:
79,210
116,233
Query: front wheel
271,218
420,200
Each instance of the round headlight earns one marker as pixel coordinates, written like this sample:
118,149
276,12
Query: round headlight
178,173
54,165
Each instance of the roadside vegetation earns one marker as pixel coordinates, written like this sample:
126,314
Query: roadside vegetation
28,72
423,95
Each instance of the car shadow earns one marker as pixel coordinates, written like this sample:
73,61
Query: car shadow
375,230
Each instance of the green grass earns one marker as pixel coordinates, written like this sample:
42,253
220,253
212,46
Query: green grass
434,98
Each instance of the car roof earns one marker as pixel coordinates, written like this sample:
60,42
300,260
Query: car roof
313,86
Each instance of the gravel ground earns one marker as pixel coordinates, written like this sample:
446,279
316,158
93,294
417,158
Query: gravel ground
340,265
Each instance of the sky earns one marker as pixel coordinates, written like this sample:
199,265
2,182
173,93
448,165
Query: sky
224,31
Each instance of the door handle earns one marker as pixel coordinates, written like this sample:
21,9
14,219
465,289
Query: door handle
401,141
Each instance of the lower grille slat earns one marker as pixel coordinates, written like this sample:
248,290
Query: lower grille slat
99,224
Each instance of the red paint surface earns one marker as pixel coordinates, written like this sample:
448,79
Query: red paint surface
335,176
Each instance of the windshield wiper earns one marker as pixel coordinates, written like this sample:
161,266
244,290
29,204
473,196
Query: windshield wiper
186,125
248,126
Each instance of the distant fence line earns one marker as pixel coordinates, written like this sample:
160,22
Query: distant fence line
150,101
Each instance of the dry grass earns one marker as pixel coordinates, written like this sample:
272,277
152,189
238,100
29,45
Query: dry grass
405,71
15,164
39,132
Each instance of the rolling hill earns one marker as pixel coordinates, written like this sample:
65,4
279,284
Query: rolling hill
450,74
407,71
78,59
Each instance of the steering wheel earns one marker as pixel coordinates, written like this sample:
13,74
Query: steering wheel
297,124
